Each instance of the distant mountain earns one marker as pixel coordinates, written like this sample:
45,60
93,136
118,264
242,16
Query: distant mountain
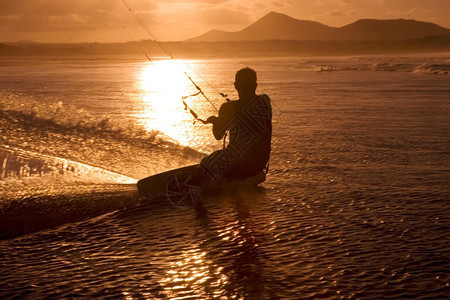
276,26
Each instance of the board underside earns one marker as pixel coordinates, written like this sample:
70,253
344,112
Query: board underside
156,185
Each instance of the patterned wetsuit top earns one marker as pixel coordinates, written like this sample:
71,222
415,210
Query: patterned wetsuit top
250,132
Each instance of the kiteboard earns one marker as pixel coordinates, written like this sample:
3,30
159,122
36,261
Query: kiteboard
167,185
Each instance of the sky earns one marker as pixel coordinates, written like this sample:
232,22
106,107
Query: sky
62,21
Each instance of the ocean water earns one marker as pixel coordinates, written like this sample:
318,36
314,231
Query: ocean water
355,206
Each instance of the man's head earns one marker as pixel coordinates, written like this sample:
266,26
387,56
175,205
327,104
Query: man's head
245,81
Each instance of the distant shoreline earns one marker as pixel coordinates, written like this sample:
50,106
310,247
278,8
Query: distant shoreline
273,48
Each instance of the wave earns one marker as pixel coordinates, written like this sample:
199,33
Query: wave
56,129
417,65
412,64
67,116
393,66
437,69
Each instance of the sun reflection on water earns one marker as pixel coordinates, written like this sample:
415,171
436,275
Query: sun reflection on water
188,276
163,83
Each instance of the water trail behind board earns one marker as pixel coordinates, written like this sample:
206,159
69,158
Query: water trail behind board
41,191
60,163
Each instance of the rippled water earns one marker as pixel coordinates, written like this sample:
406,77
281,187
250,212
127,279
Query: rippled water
355,205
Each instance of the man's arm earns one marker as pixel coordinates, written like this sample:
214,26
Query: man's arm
220,123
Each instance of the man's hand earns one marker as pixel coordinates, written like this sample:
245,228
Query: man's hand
211,120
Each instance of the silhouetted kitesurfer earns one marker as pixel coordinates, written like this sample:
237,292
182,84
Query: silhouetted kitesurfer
248,123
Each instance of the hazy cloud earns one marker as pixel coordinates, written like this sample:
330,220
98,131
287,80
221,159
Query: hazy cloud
332,13
194,2
222,16
419,11
137,5
51,20
62,16
47,7
281,3
332,2
414,13
335,13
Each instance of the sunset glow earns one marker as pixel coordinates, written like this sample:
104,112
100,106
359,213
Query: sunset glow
96,21
163,83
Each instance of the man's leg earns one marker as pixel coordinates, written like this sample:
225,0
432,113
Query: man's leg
213,169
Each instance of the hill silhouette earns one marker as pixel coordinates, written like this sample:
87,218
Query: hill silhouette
274,34
276,26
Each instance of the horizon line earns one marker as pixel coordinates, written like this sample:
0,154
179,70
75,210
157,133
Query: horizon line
188,39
